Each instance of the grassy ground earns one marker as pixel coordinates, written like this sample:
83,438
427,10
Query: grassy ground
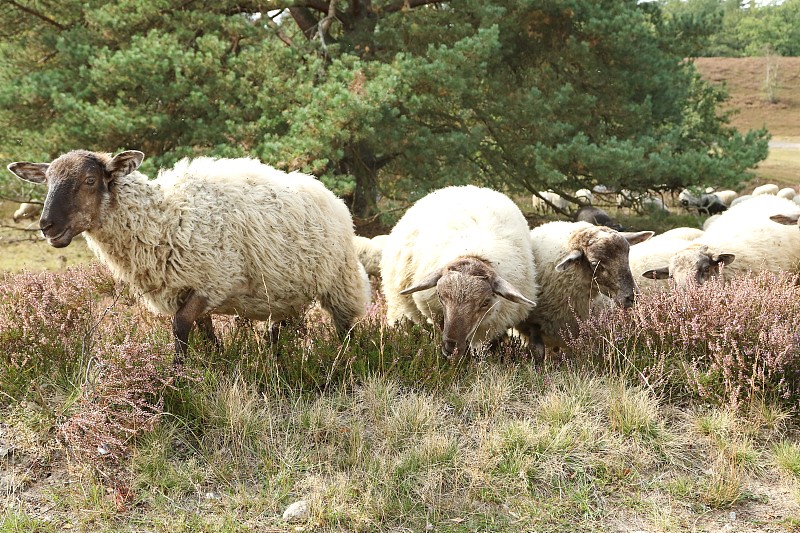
381,434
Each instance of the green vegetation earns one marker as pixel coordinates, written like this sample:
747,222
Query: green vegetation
376,99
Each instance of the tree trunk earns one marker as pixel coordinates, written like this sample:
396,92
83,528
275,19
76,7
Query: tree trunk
363,168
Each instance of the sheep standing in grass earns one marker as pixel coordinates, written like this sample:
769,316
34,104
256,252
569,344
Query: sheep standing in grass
743,239
227,236
461,259
27,210
575,263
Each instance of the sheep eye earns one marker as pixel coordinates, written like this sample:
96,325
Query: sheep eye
486,303
90,180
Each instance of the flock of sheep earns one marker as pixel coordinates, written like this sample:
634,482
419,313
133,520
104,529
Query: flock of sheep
235,236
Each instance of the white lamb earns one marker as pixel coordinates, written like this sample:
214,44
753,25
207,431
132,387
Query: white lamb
228,236
742,239
461,259
575,263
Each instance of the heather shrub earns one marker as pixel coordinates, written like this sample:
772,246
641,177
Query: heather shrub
46,324
726,343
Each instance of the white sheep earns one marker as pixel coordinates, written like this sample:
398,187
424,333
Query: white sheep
227,236
540,206
743,239
740,199
27,210
584,196
656,252
768,188
727,196
460,258
576,262
710,220
787,192
709,203
369,252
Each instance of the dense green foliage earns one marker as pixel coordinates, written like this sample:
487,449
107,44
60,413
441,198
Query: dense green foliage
732,28
385,98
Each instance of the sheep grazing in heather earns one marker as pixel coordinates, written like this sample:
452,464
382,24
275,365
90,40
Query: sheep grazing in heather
27,210
227,236
460,258
743,239
657,251
596,216
767,188
576,262
540,202
369,252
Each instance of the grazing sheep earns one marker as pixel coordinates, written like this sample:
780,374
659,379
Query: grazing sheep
557,201
227,236
740,199
584,196
657,251
369,252
786,192
652,204
596,216
27,210
743,239
796,199
461,259
726,197
576,262
709,203
769,188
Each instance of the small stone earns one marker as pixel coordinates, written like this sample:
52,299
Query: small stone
103,449
213,496
296,511
732,516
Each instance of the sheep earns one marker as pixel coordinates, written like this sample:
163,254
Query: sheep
27,210
652,204
541,206
743,239
787,192
769,188
226,236
796,199
576,262
710,220
584,196
369,252
709,203
740,199
596,216
460,258
657,251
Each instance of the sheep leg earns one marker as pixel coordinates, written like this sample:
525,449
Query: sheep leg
205,326
192,308
535,341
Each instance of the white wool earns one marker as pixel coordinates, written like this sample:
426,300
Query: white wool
682,233
27,210
369,252
769,188
251,239
654,253
562,295
448,224
758,243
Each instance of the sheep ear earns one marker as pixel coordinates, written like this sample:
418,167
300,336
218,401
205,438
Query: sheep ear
569,259
637,237
725,259
124,163
32,172
427,282
657,273
505,289
789,220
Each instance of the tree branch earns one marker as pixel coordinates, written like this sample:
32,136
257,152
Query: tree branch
410,4
36,14
304,19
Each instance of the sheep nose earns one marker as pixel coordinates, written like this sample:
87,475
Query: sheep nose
448,346
629,301
45,224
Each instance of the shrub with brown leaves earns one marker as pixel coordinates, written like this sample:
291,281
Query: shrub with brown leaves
725,342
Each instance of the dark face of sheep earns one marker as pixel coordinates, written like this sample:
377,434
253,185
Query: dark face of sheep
78,184
602,256
692,266
468,289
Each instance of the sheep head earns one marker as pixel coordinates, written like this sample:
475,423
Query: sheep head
693,265
601,255
468,290
78,185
